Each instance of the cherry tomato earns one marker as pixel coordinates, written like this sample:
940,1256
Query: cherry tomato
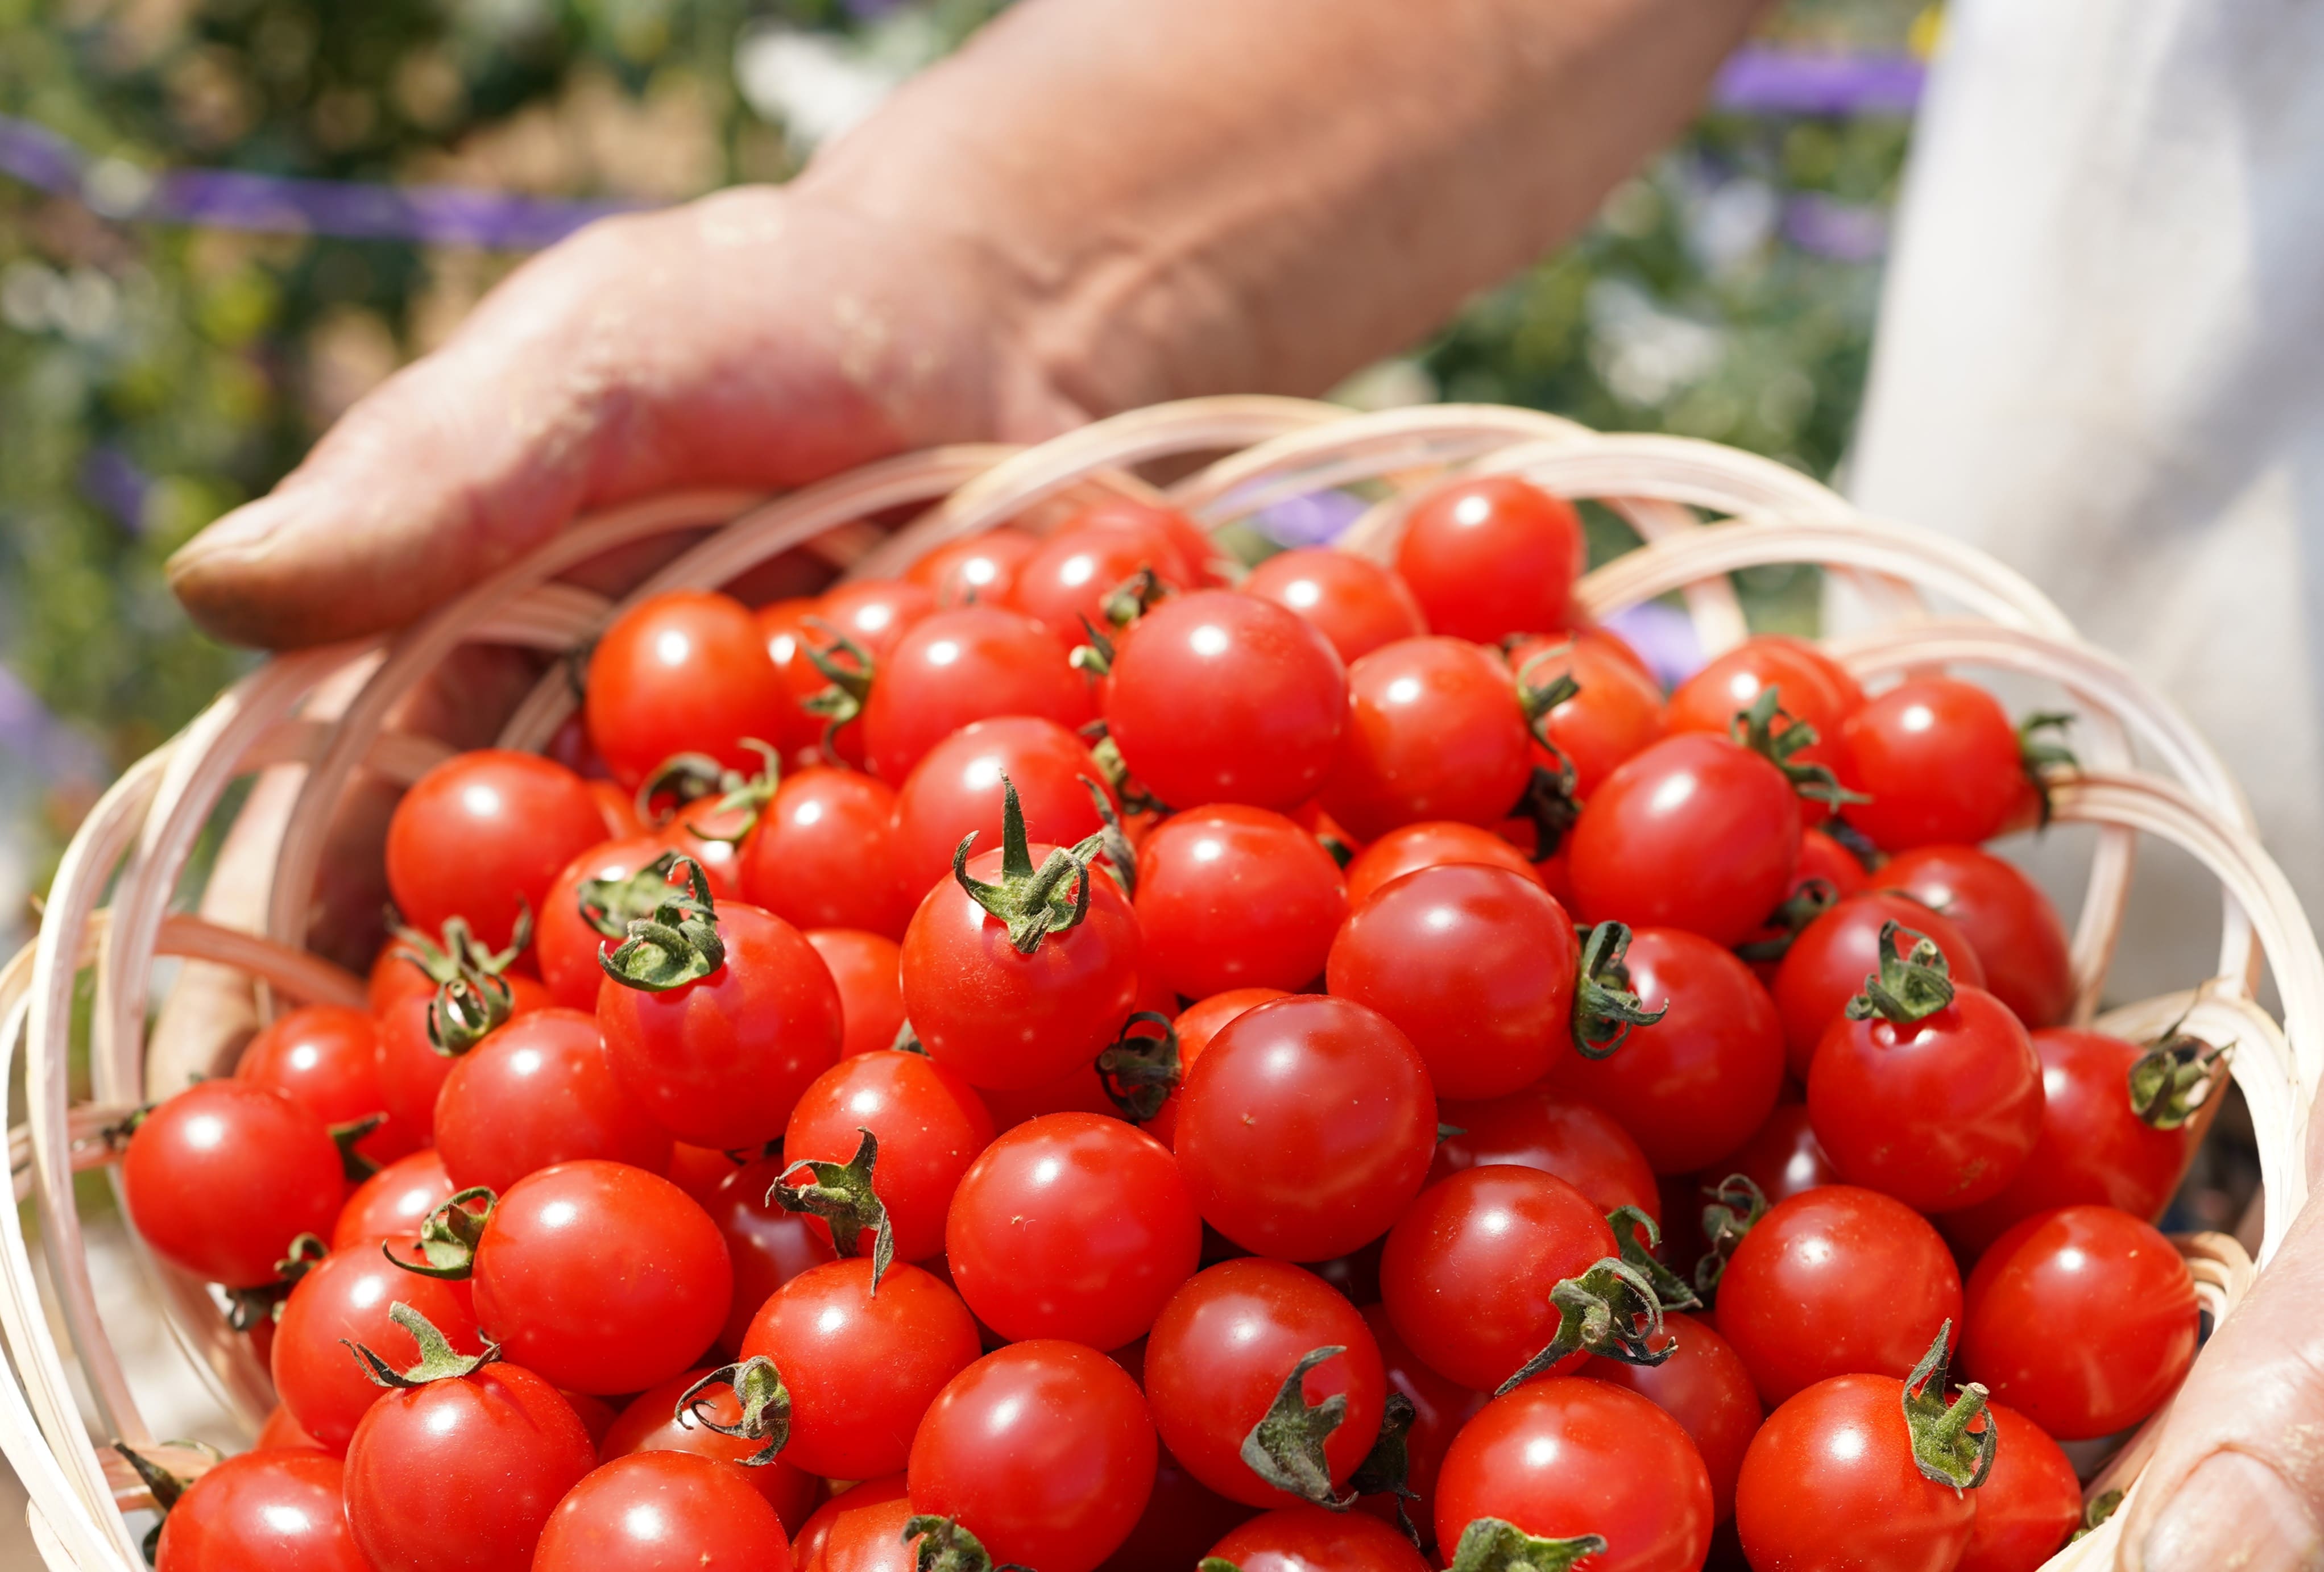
1195,545
825,855
1073,574
2028,1505
1811,687
536,1092
1836,1280
1474,964
567,944
863,1367
966,665
1782,1157
325,1059
221,1178
1696,833
783,629
393,1203
1223,1349
1353,600
1231,896
875,1507
268,1511
2125,1294
662,1512
1183,1518
1307,1539
1492,556
865,969
929,1124
412,1069
1305,1127
1695,1084
1939,761
1433,731
283,1433
1831,1484
2019,939
977,569
956,790
1541,1127
1440,1408
511,1444
1080,1090
348,1296
651,1423
855,627
1618,711
1828,962
603,1277
1823,858
684,671
1044,1450
1560,1457
1429,845
1071,1226
1196,1026
1704,1386
767,1247
482,836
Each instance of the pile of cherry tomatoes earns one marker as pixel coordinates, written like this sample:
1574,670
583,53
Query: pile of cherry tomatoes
1086,1057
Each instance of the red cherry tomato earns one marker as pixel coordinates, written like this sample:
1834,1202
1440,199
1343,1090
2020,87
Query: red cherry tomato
866,970
1433,731
651,1423
325,1059
1044,1450
825,855
956,791
567,944
2019,939
1696,833
1939,760
2118,1283
684,672
930,1126
1071,1226
2028,1505
1080,1090
868,1538
1475,965
283,1433
1782,1157
223,1176
783,629
1196,1026
268,1511
348,1296
662,1512
855,627
1073,573
768,1247
979,569
1834,1281
1617,713
1440,1408
1353,600
1704,1386
1811,687
1492,556
1305,1127
863,1367
1307,1539
503,1432
1223,1349
967,665
536,1092
482,836
698,1170
602,1277
412,1069
872,1499
1231,896
393,1203
1541,1127
1560,1457
1831,1483
1828,962
1183,1518
1429,845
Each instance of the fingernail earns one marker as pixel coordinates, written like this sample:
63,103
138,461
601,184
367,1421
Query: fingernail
250,526
2234,1512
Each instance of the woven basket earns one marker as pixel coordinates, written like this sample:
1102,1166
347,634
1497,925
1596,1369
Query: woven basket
1936,603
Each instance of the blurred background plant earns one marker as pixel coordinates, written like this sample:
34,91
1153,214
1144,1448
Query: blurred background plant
155,371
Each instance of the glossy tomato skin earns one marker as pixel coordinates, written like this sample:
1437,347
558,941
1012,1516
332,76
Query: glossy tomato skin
2020,940
1468,1270
1782,1157
602,1277
967,665
325,1059
1224,697
2093,1149
566,944
1829,1484
684,672
930,1124
1440,1407
1836,1280
767,1245
1939,1113
874,614
1354,602
1474,964
979,569
1307,1539
650,1423
538,1092
221,1178
1542,1127
1196,1024
1492,556
1305,1127
2028,1505
482,836
1828,962
783,631
393,1203
1618,713
1231,896
283,1433
1433,731
720,1061
348,1296
955,791
1939,760
412,1070
662,1511
1561,1457
1704,1386
267,1511
1427,845
1694,1085
1224,1345
1812,688
1695,833
865,969
2118,1283
463,1474
1071,1226
875,1501
825,855
1043,1449
1071,574
1013,1021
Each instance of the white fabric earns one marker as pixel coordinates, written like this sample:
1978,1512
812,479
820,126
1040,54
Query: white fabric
2101,358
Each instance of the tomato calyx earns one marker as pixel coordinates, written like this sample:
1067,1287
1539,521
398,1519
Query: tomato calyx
438,1361
352,1162
1910,985
168,1488
2172,1081
465,1011
1490,1545
842,1196
1605,1007
448,1236
689,779
1106,754
1139,1072
472,997
765,1404
946,1547
1031,902
247,1307
1285,1448
1736,1205
1755,729
1550,805
1944,1446
1123,605
1387,1468
850,687
1629,1223
679,943
1611,1310
2044,757
1216,1563
1813,899
459,953
2094,1516
1113,843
